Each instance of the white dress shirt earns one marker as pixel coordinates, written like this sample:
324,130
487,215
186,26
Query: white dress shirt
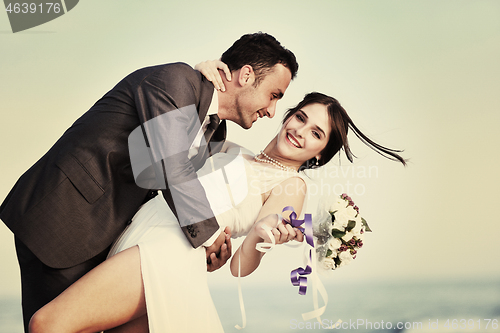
213,109
193,150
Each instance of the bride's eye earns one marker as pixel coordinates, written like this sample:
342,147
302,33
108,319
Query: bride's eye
300,117
316,135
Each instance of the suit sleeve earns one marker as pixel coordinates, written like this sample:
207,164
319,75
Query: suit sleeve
166,102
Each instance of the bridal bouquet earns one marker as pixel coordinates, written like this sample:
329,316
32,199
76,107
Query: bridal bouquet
338,230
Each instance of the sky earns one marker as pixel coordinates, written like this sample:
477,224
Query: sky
421,76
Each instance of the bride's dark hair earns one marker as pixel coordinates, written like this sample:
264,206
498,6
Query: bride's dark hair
340,124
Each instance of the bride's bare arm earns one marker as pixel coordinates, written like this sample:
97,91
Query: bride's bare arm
210,69
291,192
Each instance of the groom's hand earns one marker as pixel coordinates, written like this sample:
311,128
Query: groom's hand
220,251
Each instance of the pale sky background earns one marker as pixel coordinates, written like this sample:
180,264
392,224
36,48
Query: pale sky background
423,76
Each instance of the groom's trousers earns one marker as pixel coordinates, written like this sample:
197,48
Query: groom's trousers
40,283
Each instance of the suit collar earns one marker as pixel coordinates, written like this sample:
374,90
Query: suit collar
214,105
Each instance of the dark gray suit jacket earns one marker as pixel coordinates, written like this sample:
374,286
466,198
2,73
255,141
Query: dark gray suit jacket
78,198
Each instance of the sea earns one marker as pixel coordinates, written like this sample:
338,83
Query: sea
401,306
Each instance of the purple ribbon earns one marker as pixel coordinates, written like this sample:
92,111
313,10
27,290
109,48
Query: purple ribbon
299,276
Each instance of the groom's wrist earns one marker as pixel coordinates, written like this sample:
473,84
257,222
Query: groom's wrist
212,239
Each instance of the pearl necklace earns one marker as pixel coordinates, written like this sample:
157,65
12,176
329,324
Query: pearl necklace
272,161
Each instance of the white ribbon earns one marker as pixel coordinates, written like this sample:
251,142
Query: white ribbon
262,247
317,286
240,296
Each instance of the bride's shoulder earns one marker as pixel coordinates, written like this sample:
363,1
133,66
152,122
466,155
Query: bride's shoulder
291,186
295,181
235,149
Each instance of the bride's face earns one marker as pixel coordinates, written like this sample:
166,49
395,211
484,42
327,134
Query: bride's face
305,134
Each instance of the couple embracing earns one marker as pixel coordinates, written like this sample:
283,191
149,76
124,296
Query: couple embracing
116,225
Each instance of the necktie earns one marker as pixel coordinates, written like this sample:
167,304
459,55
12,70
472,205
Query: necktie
220,133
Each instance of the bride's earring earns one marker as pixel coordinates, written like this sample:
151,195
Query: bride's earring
317,161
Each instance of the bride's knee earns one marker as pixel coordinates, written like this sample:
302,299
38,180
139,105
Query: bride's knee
43,321
36,324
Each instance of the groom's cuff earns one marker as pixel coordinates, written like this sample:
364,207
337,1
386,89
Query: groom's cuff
212,239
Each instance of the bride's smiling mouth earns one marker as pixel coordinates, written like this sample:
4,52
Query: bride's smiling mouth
291,140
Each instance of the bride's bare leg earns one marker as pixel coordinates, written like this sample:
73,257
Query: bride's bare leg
139,325
110,295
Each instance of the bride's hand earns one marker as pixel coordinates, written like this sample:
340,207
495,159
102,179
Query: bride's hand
210,69
282,232
218,253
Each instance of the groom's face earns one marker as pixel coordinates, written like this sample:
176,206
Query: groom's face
254,102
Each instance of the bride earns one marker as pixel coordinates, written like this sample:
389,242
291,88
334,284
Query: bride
153,279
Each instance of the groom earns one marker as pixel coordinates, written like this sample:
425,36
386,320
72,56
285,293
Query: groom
69,207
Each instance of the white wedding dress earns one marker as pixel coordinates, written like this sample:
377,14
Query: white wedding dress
174,274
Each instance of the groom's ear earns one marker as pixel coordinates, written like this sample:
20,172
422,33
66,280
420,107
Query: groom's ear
246,76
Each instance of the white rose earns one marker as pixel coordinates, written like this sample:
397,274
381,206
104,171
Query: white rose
344,263
334,243
347,237
344,215
351,212
345,258
328,263
339,224
338,204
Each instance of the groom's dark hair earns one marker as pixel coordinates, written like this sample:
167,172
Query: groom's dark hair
261,51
